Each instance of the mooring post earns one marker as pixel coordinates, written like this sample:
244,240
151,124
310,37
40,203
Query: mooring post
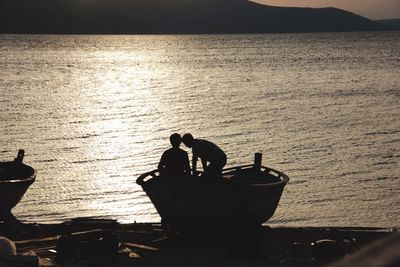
257,161
20,156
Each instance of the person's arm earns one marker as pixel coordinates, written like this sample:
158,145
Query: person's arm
161,164
194,162
204,163
187,165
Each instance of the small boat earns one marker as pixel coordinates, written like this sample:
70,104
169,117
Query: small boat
15,179
245,195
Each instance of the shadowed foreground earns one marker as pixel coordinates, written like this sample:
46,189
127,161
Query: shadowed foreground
91,242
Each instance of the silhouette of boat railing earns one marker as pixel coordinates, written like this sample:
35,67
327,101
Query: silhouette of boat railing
15,179
247,194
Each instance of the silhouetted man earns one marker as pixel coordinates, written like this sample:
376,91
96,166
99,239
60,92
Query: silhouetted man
208,152
174,160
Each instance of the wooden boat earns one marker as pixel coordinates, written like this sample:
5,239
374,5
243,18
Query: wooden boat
245,195
15,179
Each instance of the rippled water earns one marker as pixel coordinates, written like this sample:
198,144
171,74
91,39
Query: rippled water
94,112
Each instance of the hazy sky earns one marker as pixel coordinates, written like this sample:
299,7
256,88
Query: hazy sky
373,9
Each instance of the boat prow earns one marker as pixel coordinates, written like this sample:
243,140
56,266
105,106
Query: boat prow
15,179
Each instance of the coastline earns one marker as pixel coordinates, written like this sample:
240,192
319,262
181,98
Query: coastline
107,242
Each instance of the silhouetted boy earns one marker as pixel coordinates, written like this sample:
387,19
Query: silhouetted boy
208,152
174,161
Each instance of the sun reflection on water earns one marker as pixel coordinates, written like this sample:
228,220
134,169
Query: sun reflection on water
94,112
122,102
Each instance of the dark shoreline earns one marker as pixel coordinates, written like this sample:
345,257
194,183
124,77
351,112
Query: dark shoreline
149,244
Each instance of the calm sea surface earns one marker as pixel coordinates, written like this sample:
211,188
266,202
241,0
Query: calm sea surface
94,112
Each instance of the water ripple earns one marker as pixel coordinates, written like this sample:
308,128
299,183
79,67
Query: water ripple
94,112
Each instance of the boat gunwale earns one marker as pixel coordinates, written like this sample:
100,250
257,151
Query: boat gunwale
22,180
25,179
282,176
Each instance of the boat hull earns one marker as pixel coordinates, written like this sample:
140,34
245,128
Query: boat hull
15,179
245,195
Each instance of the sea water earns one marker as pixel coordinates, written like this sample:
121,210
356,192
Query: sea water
93,112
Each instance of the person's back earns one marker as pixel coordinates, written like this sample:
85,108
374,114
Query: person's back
174,160
208,152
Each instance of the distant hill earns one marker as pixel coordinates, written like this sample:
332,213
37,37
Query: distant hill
171,16
393,24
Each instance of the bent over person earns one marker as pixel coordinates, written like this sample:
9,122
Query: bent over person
212,157
174,160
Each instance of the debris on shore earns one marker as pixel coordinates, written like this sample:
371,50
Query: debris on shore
103,242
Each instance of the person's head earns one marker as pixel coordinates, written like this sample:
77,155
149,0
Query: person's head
175,140
188,139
